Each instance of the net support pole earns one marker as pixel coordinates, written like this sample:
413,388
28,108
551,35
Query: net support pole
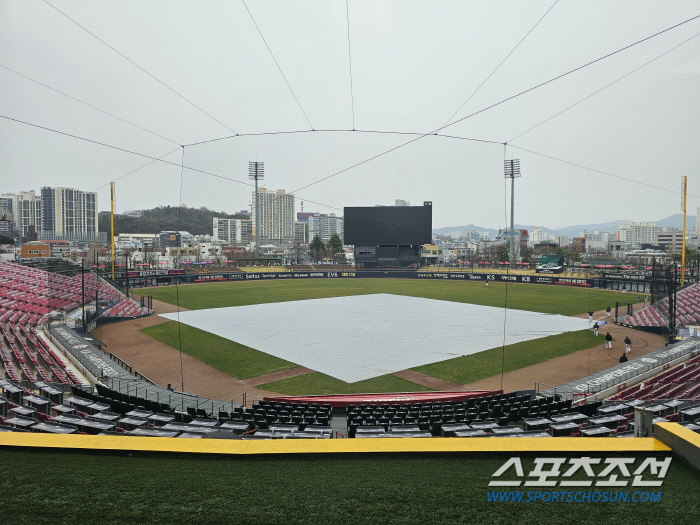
684,195
111,218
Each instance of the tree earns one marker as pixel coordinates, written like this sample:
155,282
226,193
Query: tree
528,254
502,253
335,248
316,248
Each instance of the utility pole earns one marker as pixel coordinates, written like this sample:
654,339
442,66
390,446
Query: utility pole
512,171
256,171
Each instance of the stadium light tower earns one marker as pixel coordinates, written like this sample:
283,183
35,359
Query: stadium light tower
512,171
256,171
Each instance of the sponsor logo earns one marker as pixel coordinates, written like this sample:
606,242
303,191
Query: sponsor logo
611,473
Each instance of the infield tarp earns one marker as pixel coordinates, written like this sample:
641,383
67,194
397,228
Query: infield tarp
364,336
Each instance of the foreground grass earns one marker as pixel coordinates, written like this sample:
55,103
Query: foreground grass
470,368
56,488
317,383
536,298
227,356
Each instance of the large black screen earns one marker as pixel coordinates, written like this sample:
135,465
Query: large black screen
379,225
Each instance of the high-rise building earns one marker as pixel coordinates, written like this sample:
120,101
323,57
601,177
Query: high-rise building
276,215
401,202
301,232
8,205
637,233
237,232
539,235
69,213
30,212
325,226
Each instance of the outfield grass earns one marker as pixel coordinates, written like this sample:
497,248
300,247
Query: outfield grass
243,362
227,356
318,383
470,368
81,487
536,298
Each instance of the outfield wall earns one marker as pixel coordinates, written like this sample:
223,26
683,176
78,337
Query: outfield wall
145,279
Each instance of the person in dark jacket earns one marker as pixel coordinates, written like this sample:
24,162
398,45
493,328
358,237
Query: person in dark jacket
590,315
608,341
628,344
607,311
623,359
595,329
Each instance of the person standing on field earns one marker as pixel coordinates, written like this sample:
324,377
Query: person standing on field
590,315
595,329
628,344
623,359
608,341
607,311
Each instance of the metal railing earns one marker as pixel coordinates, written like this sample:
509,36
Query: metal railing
176,400
654,362
538,384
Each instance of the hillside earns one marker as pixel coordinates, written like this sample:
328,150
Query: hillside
674,221
197,221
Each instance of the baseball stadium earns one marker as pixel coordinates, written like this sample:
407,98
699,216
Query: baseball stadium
96,411
323,355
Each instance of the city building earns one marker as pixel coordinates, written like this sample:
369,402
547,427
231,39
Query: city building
504,235
301,232
8,208
237,232
170,239
578,245
401,202
616,249
561,240
538,235
30,213
142,239
36,249
69,214
325,226
276,216
638,233
671,241
7,223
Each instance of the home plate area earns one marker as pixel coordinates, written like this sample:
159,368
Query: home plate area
363,336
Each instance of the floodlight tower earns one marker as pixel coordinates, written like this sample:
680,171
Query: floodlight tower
256,171
512,171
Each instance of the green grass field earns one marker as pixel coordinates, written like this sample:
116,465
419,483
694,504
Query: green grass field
318,383
80,487
242,362
228,356
470,368
535,298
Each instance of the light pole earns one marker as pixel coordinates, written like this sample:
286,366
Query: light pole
512,171
256,171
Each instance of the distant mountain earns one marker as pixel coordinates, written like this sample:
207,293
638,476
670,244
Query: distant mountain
674,221
197,221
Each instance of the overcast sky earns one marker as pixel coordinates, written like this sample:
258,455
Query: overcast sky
413,65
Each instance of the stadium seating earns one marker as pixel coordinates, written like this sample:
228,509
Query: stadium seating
687,310
679,382
27,296
125,308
